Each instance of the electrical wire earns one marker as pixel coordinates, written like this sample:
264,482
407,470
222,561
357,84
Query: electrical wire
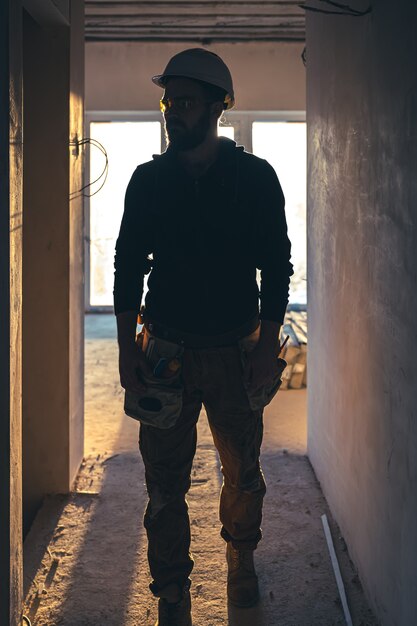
348,8
304,56
104,173
344,9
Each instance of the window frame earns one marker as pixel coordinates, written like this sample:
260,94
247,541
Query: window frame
243,120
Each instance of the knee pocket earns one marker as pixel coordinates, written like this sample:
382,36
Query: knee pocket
249,485
161,499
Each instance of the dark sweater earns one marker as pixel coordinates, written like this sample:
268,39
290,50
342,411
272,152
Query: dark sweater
207,238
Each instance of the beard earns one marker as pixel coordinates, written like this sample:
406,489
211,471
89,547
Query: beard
181,138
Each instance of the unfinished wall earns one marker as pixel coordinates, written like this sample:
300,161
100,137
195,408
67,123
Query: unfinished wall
52,258
11,163
267,76
76,241
362,291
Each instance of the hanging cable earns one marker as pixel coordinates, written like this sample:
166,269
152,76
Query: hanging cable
304,56
104,173
344,9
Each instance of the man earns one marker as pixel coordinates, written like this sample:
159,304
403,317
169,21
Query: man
210,214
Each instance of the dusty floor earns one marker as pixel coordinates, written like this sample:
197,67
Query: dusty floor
85,556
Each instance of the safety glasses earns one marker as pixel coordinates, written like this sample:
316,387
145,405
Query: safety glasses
180,103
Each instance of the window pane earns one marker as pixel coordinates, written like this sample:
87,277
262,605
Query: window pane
283,145
226,131
128,144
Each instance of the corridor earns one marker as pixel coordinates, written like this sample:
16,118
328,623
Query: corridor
342,77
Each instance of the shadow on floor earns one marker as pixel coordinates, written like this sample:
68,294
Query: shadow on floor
93,553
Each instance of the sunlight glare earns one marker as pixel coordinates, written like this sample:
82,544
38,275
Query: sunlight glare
128,144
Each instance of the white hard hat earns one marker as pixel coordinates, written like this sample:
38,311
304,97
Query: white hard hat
199,64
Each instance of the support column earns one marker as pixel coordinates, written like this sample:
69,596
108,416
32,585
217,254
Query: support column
11,163
53,308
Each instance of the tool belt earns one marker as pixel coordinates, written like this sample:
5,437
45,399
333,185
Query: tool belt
191,340
160,404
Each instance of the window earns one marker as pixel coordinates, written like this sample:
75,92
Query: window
128,144
130,139
283,145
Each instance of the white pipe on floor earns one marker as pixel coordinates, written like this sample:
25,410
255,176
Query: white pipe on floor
336,570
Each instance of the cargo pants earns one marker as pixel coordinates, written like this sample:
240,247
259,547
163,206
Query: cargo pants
212,377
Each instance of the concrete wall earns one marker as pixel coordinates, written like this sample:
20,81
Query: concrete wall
362,291
11,163
41,278
53,384
267,76
76,242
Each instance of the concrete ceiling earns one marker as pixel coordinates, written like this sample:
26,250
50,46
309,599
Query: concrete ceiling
203,21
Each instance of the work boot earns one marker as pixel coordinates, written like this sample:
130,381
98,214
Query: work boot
175,613
242,581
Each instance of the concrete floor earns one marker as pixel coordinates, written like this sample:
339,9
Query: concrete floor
85,556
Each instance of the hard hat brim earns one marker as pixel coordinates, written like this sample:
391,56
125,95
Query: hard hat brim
160,80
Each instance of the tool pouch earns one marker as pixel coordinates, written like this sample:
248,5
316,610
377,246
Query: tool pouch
160,404
259,398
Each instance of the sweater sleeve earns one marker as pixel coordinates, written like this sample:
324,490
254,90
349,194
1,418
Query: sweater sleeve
273,248
133,246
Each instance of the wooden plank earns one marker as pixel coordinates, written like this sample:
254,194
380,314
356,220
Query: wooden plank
165,20
181,27
300,320
298,332
187,8
291,354
286,376
296,381
126,6
302,355
305,377
190,37
301,336
132,21
287,329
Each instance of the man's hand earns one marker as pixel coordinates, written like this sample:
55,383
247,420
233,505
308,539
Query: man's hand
261,364
132,360
260,368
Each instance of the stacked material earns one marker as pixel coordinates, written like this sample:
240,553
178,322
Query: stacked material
295,351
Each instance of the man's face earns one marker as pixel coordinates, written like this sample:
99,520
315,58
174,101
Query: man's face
188,121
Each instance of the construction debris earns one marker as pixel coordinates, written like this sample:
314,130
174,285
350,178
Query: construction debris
295,351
